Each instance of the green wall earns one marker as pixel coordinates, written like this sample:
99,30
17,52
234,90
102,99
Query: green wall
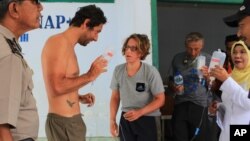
154,32
207,1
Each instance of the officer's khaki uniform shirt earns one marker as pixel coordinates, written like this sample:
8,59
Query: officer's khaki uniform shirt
17,103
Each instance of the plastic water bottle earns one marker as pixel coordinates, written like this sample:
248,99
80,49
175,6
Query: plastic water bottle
218,58
178,80
201,61
108,54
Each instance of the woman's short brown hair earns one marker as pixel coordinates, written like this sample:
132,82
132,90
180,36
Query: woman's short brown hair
143,44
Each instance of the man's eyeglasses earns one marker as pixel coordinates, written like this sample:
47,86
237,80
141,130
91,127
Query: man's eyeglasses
132,48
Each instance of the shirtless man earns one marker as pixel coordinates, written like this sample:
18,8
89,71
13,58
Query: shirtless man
61,75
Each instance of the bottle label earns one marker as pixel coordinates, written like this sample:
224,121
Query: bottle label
215,60
178,80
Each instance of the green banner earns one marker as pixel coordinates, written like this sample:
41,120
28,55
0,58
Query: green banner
206,1
90,1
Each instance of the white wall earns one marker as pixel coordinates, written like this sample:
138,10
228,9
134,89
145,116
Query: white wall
124,18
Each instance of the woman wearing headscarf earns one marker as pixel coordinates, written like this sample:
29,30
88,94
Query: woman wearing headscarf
235,91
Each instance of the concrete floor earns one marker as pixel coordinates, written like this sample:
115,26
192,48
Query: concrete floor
91,139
